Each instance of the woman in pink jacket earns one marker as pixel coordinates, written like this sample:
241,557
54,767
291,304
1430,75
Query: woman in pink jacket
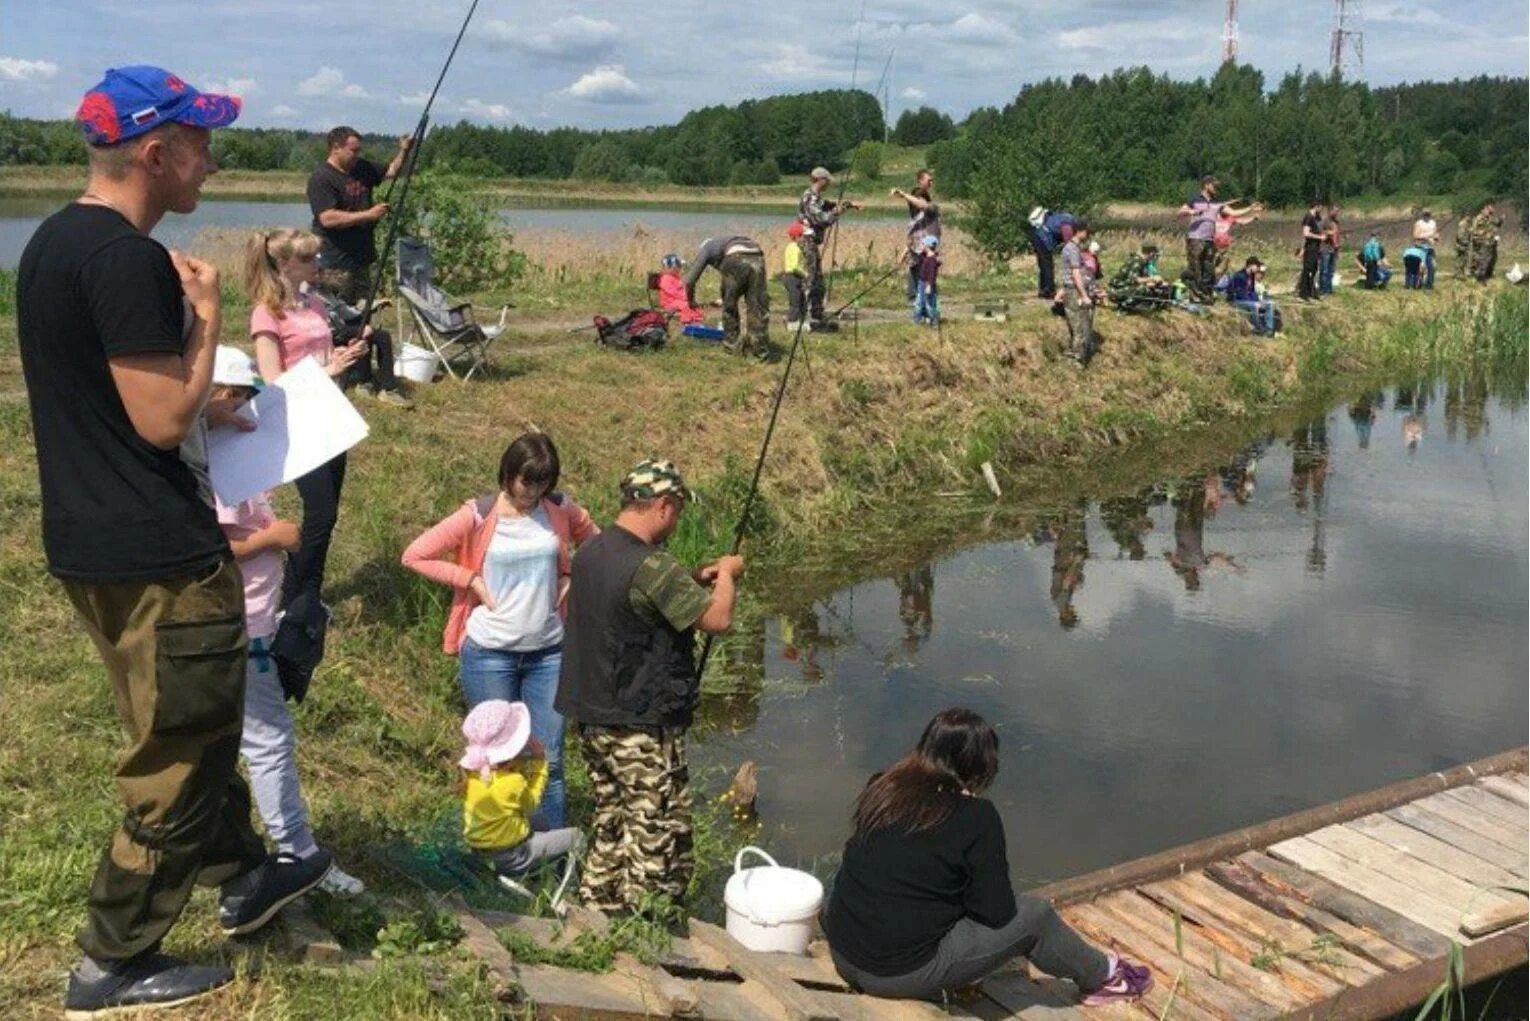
509,579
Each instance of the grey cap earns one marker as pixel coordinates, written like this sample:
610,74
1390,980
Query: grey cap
820,173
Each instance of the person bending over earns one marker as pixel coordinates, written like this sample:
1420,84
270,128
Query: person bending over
923,906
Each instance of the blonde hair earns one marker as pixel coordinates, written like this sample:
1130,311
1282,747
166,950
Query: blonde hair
263,252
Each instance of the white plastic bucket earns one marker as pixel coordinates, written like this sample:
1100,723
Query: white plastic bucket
417,364
771,908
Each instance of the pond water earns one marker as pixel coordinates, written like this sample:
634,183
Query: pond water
19,217
1340,606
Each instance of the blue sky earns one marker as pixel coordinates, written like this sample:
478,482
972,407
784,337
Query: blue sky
606,63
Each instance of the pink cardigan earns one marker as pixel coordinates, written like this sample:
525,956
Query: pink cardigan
467,533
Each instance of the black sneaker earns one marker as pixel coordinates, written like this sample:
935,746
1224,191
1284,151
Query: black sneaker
146,982
823,326
252,900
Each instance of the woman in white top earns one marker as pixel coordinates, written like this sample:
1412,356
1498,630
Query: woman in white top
509,576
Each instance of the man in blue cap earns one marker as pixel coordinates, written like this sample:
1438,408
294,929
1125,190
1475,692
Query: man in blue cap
117,337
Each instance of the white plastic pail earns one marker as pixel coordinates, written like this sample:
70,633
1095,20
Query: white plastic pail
771,908
417,364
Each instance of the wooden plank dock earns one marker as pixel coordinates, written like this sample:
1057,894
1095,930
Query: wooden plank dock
1346,911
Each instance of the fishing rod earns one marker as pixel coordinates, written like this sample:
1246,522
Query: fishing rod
759,468
839,201
406,175
870,287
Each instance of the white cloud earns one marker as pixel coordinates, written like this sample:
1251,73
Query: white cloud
575,37
607,83
912,93
329,81
974,29
1403,14
232,86
793,60
15,69
415,98
1129,36
283,110
488,111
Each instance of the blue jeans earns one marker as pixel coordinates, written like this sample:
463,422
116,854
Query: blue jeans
532,678
1327,263
926,303
1261,314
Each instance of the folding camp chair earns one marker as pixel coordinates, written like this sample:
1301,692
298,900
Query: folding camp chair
446,324
652,290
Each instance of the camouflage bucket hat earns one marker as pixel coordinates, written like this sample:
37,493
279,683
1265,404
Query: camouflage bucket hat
654,478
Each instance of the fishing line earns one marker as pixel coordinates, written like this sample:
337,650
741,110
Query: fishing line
401,182
839,202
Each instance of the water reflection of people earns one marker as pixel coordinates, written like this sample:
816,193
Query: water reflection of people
916,597
1195,499
1240,477
1310,464
801,640
1466,404
1412,431
1362,412
1071,549
1126,519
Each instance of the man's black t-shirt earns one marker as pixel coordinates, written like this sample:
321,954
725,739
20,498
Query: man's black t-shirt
328,188
923,221
1312,222
91,287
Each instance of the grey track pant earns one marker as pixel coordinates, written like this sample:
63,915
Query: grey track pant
269,748
970,951
540,846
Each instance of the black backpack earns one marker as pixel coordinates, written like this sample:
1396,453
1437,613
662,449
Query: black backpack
642,329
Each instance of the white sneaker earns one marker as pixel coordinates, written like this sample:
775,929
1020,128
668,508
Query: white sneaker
341,883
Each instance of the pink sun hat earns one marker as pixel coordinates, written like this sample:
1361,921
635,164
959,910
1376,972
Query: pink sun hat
496,732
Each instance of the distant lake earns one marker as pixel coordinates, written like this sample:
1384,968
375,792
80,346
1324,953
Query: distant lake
19,217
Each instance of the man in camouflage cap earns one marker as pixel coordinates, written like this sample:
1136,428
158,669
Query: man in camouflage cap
630,686
818,215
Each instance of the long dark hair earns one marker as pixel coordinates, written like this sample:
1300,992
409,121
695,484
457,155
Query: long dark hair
531,457
958,753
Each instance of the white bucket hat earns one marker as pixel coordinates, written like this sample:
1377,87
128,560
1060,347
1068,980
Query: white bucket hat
1038,216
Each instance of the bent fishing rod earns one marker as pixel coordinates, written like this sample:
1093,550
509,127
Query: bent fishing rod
401,181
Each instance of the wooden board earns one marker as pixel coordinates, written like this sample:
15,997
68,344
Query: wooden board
1507,789
1497,808
1424,847
1249,884
1384,890
1493,919
1467,840
1021,997
797,1004
1397,929
1469,817
1424,877
1269,995
1177,985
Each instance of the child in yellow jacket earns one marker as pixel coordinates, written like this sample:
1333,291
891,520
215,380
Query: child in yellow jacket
504,773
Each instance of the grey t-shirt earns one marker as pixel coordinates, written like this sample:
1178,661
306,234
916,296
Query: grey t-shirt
1203,220
1073,259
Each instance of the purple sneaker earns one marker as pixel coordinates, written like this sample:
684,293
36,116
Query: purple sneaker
1127,982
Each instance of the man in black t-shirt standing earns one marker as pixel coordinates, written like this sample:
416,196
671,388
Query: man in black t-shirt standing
923,220
117,338
1313,234
344,215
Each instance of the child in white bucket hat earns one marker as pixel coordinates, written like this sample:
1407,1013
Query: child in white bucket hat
260,541
504,773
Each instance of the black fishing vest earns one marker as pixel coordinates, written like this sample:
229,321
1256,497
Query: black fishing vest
619,670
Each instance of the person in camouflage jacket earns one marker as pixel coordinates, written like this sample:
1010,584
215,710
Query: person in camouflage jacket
1137,285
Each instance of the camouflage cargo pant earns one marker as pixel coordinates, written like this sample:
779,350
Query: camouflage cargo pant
812,267
743,278
642,819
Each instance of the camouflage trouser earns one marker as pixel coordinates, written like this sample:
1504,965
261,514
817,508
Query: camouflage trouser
812,267
1081,337
175,653
642,824
743,278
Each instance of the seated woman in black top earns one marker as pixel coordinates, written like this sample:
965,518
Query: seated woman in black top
923,904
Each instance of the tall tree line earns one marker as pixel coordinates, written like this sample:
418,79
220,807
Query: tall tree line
1137,135
754,142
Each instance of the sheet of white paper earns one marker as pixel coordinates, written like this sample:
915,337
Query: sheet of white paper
301,421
